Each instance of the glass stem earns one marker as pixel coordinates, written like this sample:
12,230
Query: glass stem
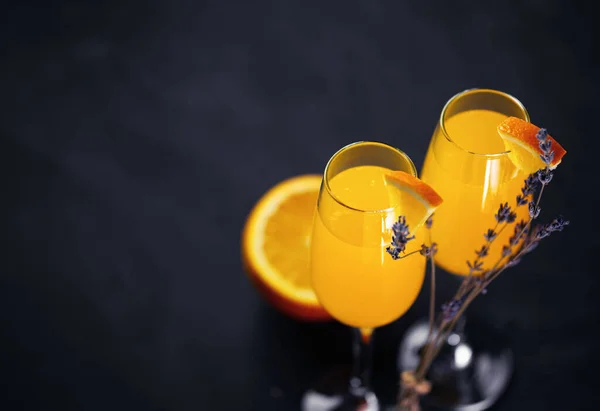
362,351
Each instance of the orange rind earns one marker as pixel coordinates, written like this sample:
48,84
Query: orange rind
418,200
276,247
520,140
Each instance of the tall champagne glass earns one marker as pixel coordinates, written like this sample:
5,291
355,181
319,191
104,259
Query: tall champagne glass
468,165
355,279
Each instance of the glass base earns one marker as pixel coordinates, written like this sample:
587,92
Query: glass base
469,374
331,393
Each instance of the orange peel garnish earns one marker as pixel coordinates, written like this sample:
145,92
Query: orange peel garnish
520,139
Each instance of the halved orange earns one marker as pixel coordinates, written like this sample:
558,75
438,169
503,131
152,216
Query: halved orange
519,137
417,199
276,247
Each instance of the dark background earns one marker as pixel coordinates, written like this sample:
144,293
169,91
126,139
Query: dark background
137,136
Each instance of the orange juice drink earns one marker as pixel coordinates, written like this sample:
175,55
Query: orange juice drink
355,279
467,165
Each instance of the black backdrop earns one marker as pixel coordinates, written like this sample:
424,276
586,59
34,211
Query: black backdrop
137,136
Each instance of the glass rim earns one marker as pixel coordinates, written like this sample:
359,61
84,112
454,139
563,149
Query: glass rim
413,170
469,91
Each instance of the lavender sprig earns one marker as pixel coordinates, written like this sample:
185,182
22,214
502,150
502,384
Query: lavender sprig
524,240
450,309
505,216
539,179
400,238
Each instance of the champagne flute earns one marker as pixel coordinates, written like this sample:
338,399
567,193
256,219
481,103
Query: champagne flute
468,165
353,276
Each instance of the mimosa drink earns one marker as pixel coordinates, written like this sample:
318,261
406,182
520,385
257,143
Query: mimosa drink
355,279
367,186
467,165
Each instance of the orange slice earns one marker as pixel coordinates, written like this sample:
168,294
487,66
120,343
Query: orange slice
417,200
519,137
276,247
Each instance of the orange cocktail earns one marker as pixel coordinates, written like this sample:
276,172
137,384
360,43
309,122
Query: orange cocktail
468,165
354,278
367,187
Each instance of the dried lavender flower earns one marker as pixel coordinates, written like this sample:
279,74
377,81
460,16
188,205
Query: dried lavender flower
521,200
530,185
545,230
541,233
534,210
558,224
490,235
547,158
475,266
545,145
544,176
505,213
542,135
450,309
400,237
520,226
483,251
520,230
